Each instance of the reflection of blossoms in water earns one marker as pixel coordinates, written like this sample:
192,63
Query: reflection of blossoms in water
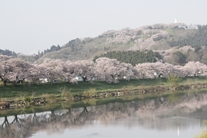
93,135
156,114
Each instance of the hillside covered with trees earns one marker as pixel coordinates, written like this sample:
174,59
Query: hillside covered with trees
8,53
189,37
167,39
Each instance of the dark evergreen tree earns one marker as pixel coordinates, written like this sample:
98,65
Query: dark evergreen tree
132,57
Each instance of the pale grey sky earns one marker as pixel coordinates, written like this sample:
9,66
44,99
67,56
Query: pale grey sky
27,26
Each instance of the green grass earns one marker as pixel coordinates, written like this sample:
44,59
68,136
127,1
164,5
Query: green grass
35,90
13,91
92,102
77,104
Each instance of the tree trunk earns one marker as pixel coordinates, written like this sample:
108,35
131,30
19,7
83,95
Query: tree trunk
113,77
84,78
4,82
14,83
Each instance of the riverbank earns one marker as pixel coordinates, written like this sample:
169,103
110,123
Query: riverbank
34,95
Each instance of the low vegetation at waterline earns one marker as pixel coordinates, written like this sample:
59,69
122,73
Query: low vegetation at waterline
26,95
58,88
173,80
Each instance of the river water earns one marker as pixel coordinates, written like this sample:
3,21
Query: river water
173,116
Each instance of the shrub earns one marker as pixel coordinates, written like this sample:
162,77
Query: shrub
21,97
173,80
89,93
27,99
50,98
66,94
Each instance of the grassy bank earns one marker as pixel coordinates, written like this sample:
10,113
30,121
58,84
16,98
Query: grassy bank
172,97
20,97
11,91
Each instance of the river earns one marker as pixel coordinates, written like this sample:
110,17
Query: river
166,116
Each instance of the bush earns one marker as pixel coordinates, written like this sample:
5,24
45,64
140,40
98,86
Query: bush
66,94
89,93
50,98
27,99
173,80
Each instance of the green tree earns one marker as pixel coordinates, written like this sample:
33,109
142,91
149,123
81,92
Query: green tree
132,57
179,58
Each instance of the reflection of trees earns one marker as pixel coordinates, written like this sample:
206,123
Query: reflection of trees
156,113
14,128
173,98
90,101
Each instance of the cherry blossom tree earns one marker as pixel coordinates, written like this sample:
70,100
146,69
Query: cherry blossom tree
33,74
20,69
51,69
13,69
111,70
4,68
84,69
195,69
158,69
68,69
104,69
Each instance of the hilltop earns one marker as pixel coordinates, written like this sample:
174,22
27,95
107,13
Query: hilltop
155,37
163,38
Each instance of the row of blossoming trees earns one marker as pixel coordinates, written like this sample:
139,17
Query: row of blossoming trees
103,69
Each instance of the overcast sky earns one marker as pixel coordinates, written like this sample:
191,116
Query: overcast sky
27,26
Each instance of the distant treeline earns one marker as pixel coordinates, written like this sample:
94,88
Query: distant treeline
198,38
132,57
8,53
52,48
13,54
